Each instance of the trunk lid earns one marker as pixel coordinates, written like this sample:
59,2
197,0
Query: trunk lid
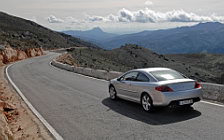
179,84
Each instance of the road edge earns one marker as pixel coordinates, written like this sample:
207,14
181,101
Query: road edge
54,133
90,77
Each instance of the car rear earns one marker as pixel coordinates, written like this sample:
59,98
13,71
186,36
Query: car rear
174,88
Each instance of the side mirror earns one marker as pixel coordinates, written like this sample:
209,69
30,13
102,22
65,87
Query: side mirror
120,78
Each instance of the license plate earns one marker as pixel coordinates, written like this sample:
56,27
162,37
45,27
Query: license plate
185,102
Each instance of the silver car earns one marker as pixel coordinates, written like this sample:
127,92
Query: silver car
156,87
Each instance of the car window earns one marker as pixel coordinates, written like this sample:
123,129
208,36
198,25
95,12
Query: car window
130,76
142,78
165,75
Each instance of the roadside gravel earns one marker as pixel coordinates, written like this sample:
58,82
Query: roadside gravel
19,122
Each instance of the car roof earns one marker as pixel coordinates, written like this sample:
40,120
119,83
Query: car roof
152,69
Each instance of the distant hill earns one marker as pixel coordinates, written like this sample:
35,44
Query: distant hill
203,37
21,33
132,56
95,35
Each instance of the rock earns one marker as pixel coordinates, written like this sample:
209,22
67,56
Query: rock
41,49
1,59
2,104
10,55
6,107
15,35
19,128
2,48
38,52
27,33
21,55
5,132
31,52
3,98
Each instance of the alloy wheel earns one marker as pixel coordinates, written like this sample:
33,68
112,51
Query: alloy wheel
112,93
146,103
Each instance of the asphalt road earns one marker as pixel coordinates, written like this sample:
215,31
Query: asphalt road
78,108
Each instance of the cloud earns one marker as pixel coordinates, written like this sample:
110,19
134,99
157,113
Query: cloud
150,16
142,16
71,20
53,19
97,18
148,3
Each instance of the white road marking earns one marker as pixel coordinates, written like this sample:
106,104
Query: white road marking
47,125
56,135
206,102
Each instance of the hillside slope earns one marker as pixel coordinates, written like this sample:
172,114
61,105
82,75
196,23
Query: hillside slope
133,57
204,37
210,62
21,33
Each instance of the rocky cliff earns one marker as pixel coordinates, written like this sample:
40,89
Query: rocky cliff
9,54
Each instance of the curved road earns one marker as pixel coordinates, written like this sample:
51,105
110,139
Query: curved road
78,108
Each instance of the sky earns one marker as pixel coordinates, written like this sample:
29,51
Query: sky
117,16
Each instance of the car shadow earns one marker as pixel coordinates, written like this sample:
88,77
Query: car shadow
161,116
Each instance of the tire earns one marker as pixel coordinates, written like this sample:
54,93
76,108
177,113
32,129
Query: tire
112,93
146,103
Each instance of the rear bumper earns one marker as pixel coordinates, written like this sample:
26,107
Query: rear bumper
176,103
173,98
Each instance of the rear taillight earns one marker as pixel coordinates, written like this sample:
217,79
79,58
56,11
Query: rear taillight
197,85
164,89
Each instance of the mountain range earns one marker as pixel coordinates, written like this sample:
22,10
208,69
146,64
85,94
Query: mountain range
95,35
24,34
200,38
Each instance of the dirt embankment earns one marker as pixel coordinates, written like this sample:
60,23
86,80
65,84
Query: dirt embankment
8,54
66,59
16,120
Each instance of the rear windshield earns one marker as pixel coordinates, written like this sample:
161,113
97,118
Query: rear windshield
165,75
